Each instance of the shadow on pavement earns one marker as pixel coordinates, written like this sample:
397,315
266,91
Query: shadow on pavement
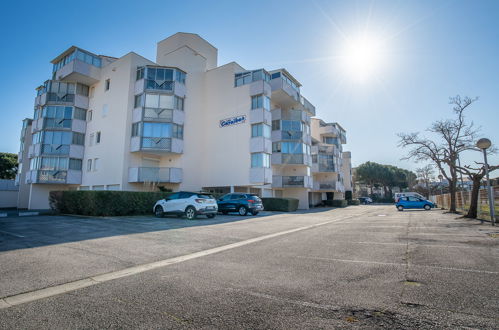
36,231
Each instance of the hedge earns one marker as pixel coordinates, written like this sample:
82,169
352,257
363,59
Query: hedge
336,202
104,203
353,202
280,204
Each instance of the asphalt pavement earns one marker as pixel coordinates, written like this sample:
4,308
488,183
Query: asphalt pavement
358,267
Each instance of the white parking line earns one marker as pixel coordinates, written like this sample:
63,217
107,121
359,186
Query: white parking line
400,264
12,234
93,280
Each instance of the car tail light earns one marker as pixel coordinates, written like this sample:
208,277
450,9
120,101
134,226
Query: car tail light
200,200
251,201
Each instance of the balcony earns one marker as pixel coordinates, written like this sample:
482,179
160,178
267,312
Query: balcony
283,93
54,176
155,174
158,115
307,106
330,130
321,168
165,87
49,98
278,158
78,71
328,186
156,145
279,181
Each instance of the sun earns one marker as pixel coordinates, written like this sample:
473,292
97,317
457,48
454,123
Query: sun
362,57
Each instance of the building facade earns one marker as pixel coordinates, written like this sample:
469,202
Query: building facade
181,122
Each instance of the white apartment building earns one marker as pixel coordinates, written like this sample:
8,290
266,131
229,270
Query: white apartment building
181,122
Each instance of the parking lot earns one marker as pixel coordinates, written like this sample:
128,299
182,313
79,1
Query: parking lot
364,266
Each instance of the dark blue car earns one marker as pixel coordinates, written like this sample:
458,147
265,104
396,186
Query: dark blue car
413,202
240,203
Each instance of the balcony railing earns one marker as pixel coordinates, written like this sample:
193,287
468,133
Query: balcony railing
159,85
52,176
56,123
158,114
54,149
60,98
291,135
155,174
164,144
299,181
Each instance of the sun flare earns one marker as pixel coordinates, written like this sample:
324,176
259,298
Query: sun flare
362,57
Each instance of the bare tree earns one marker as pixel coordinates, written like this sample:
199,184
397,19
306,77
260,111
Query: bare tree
476,175
454,136
425,174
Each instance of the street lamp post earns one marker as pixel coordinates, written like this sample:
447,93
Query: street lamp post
484,144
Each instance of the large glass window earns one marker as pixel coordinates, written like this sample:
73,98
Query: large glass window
276,125
159,101
60,91
243,78
135,129
260,130
57,116
157,130
289,147
260,160
54,163
139,100
286,79
80,113
180,76
159,78
80,55
179,103
292,125
140,73
82,89
260,101
78,138
178,131
56,137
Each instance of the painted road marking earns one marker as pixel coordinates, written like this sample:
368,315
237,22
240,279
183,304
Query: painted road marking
400,264
94,280
12,234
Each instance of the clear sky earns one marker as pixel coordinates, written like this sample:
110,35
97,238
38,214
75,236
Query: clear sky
425,51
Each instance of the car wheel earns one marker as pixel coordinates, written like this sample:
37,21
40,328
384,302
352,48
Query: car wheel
190,213
225,212
427,207
400,208
242,210
210,216
158,211
254,212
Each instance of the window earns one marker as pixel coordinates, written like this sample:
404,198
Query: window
96,164
179,103
56,137
97,137
75,164
140,73
135,129
260,101
107,84
247,77
80,113
289,147
91,139
82,89
54,163
89,165
105,110
139,100
174,196
157,130
78,138
89,115
159,78
180,76
260,160
159,101
178,131
260,130
276,125
292,125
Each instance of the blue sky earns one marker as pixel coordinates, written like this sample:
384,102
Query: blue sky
431,50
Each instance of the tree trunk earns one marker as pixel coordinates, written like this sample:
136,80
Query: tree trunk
475,191
452,192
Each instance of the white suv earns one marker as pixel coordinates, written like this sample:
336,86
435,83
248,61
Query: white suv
187,203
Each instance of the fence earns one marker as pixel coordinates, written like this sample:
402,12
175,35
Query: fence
463,199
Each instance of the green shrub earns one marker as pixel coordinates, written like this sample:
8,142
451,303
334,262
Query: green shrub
336,202
348,195
280,204
104,203
353,202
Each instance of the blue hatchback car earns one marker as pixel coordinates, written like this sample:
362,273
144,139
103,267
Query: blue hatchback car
412,202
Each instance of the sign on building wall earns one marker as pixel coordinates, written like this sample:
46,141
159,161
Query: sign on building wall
233,121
